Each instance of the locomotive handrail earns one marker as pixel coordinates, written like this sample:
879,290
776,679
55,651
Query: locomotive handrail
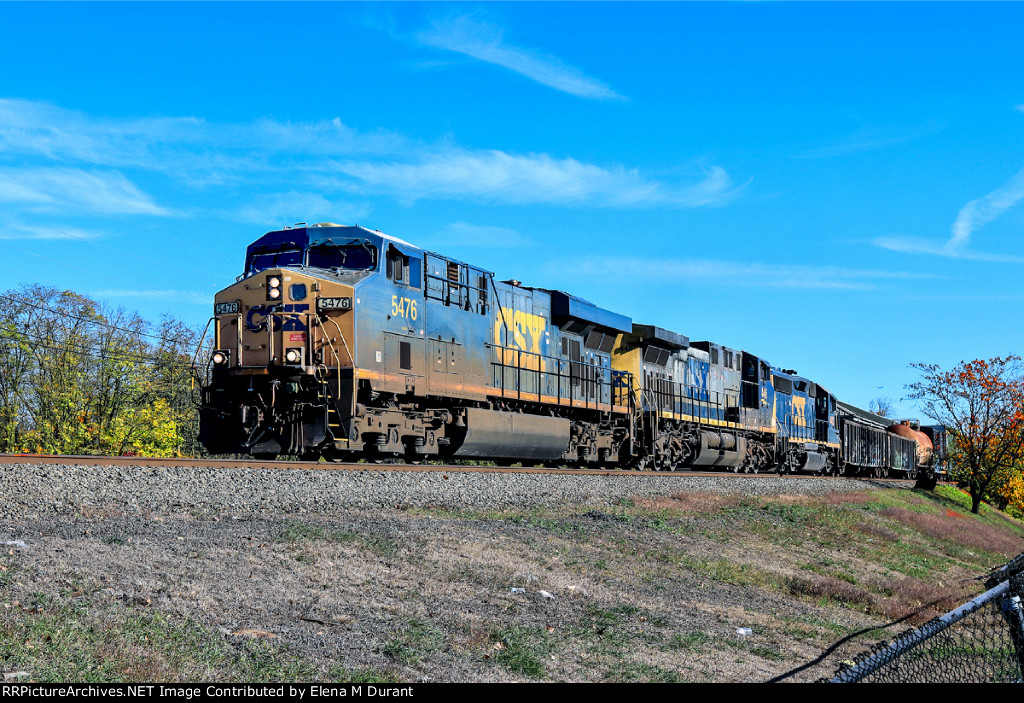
337,357
308,342
697,407
202,338
596,383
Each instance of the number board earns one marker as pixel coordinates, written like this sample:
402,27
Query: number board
334,303
225,308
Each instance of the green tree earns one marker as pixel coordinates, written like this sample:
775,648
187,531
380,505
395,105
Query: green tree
78,379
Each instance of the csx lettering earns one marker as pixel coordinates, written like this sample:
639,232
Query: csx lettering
403,307
256,318
526,330
799,411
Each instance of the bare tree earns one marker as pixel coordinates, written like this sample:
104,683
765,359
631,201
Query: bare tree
881,406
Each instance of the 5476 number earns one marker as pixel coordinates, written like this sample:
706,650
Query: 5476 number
403,307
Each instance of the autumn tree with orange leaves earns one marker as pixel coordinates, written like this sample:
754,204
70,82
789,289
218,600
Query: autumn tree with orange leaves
981,405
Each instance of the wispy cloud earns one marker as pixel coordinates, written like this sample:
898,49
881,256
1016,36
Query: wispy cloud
972,216
52,157
17,230
485,42
980,212
497,176
868,138
759,275
98,192
920,245
467,235
50,132
282,208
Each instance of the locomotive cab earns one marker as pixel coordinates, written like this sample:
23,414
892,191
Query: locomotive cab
284,342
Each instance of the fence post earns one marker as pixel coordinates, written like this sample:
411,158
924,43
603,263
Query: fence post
1013,611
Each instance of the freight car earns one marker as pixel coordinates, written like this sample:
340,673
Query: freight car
344,342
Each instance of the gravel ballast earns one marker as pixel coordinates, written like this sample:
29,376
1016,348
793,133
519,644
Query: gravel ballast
28,489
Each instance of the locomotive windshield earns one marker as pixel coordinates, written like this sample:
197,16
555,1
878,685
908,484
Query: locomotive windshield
358,256
271,258
353,255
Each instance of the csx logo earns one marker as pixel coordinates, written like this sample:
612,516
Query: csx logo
256,319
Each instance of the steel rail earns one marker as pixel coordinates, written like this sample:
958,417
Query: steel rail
157,462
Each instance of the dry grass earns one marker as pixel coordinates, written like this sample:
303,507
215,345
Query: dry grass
909,599
850,498
647,590
825,586
953,526
876,531
690,503
925,599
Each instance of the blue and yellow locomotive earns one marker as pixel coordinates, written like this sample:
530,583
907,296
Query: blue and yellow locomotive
344,342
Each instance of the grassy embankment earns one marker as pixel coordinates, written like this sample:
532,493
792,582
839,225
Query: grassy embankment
659,586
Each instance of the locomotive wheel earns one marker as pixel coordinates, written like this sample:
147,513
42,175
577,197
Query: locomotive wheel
264,456
338,455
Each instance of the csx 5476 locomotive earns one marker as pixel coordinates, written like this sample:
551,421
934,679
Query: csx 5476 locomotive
344,342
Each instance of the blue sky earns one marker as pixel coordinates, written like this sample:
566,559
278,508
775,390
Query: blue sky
836,187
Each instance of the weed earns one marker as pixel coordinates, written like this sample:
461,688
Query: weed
691,641
296,531
757,650
415,640
79,642
972,534
522,650
384,546
728,571
640,672
832,589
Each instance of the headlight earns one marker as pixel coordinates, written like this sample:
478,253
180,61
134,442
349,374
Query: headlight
220,357
293,356
273,287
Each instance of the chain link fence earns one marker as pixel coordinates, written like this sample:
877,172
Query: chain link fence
981,641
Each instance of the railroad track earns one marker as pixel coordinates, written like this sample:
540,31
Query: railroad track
91,460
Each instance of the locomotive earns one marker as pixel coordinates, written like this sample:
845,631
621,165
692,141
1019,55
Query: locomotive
343,342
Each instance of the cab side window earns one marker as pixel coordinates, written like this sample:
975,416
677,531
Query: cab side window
397,267
406,270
